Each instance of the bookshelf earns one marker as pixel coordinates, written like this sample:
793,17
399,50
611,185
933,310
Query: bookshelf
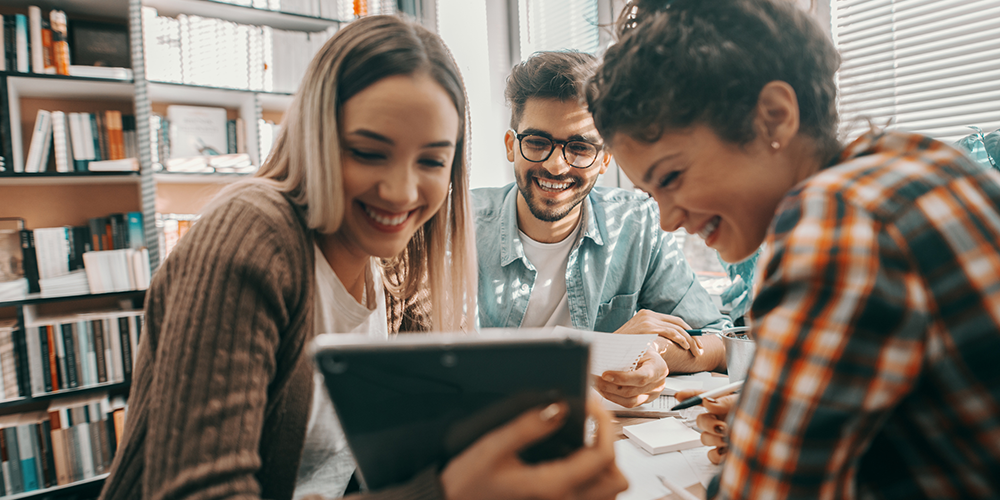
53,199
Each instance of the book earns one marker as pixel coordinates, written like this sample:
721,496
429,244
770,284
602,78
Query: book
35,34
100,72
100,44
41,137
663,435
122,165
60,43
29,260
3,67
196,131
22,56
136,232
11,259
60,142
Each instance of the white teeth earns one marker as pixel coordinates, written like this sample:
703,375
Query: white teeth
387,221
710,227
553,185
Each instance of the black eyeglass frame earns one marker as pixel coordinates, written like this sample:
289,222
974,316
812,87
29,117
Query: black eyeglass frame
555,142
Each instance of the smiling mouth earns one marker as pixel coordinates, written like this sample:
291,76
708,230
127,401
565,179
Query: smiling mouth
710,227
387,219
551,186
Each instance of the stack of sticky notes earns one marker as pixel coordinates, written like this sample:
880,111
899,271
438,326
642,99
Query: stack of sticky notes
662,436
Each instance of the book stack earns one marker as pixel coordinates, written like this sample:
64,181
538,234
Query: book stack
82,350
171,227
52,257
82,142
117,270
212,52
71,441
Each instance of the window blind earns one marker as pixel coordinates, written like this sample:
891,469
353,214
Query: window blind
557,25
927,66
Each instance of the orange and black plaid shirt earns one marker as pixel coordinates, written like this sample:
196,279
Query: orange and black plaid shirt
877,373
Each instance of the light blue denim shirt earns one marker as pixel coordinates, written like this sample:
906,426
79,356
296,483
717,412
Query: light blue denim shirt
621,262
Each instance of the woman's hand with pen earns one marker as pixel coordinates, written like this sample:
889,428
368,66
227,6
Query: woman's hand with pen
714,430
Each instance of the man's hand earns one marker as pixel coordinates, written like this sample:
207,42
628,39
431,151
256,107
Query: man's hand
633,388
715,431
667,326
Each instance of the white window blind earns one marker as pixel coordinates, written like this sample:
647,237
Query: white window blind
927,66
558,25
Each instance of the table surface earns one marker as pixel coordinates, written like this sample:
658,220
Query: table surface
697,489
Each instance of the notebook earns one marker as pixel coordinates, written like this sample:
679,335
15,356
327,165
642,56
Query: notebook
662,436
612,351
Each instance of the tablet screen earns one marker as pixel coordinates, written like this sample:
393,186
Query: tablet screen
406,407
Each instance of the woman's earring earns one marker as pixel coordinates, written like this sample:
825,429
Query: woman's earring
775,145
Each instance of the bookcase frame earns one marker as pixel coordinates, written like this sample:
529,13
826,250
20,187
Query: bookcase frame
251,106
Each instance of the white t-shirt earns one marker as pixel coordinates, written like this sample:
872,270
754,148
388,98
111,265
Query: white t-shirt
549,302
327,463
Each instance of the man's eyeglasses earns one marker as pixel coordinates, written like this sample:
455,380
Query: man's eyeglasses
538,148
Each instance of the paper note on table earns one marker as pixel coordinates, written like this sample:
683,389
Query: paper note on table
663,436
641,469
614,351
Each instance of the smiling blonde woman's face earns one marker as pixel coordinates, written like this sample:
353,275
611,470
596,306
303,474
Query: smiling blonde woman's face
398,141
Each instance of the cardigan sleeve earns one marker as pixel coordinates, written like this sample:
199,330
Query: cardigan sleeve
228,294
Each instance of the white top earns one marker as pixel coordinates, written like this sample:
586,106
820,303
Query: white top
549,302
327,463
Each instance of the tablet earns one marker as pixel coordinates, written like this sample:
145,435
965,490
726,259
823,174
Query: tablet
418,400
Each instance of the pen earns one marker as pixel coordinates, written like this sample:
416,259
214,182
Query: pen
721,391
675,489
702,331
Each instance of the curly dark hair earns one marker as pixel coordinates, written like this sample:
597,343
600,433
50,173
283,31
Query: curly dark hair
684,62
561,75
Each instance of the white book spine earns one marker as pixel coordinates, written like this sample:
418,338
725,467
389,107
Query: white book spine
42,130
35,30
116,350
34,360
87,133
59,142
109,362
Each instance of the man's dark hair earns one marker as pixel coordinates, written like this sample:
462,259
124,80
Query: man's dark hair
559,75
685,62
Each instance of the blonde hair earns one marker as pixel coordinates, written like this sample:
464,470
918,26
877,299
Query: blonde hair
305,161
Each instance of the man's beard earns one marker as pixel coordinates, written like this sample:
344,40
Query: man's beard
546,210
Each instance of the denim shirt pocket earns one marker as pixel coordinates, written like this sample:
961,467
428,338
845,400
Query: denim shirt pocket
616,312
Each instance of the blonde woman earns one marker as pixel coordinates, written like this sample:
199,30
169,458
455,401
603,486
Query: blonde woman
361,208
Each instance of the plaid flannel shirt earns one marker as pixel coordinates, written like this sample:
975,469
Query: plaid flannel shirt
877,373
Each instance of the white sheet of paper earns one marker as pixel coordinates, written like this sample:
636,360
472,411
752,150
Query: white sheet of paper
641,469
697,458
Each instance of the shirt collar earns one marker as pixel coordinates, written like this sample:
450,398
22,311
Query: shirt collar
512,249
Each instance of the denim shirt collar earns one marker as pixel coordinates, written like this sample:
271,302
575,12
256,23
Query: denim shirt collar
512,249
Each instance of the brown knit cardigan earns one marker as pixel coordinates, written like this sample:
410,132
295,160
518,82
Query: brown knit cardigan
222,385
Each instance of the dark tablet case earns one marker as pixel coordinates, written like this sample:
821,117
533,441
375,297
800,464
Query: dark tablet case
406,407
